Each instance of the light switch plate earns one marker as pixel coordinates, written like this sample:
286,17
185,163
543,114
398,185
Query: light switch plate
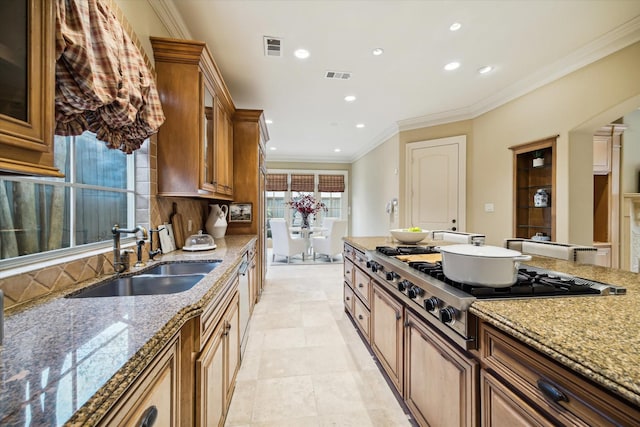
488,207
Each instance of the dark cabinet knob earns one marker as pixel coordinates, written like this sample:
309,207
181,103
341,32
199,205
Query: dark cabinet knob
552,392
148,417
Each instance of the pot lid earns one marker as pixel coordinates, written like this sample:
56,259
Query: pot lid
485,251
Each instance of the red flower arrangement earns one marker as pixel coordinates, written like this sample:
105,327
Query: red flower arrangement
306,205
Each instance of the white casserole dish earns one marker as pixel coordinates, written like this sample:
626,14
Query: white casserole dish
490,266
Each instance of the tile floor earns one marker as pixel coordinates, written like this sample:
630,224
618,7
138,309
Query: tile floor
305,364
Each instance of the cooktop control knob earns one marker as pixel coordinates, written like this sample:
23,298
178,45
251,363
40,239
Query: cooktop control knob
374,266
392,275
403,285
414,292
448,315
431,304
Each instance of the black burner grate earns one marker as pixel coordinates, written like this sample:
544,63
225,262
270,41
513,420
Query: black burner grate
406,250
530,283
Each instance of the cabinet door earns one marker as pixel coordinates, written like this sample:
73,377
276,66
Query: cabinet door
503,408
440,381
387,337
601,155
210,387
232,344
223,151
27,89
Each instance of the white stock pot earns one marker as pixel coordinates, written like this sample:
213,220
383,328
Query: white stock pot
490,266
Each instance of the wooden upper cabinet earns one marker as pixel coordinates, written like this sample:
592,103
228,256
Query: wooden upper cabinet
195,141
27,86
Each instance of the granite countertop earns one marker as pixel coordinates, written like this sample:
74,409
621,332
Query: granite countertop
66,361
595,336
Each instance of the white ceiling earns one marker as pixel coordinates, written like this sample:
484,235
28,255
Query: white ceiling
529,43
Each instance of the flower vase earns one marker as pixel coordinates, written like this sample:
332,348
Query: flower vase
305,220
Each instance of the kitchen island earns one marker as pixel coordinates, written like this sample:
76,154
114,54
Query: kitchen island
68,361
594,338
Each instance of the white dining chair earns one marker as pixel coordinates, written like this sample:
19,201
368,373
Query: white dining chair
283,243
331,244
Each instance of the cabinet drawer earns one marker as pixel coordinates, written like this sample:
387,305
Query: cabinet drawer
360,260
348,271
559,392
348,252
503,408
155,395
362,285
349,298
362,317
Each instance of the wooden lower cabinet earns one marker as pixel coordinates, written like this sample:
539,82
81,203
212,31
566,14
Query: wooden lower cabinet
441,382
556,392
387,338
154,396
362,317
501,407
216,369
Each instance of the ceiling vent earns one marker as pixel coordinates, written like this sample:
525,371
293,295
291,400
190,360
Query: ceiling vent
337,75
272,46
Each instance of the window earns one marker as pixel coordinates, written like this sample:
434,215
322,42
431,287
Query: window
327,186
39,215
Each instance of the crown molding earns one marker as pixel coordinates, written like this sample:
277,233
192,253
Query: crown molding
382,137
171,18
609,43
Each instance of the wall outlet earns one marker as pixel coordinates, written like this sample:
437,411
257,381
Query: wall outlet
488,207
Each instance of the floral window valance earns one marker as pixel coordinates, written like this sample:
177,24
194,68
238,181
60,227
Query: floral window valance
102,82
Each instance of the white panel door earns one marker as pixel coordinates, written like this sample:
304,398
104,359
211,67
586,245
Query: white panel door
435,184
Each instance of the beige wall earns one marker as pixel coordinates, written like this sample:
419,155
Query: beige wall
571,107
144,22
631,153
375,180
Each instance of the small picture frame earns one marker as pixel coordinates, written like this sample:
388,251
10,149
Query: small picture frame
240,212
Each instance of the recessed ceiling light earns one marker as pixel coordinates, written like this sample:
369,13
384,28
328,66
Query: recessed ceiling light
485,69
268,121
452,66
360,125
272,148
336,150
350,98
301,53
378,51
455,26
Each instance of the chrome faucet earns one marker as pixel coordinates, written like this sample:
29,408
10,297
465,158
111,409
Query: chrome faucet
121,258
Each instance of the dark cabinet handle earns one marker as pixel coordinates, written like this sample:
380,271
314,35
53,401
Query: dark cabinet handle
360,316
360,285
398,316
148,417
552,392
348,299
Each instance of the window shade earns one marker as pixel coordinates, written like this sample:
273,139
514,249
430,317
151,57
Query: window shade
102,81
302,183
331,183
277,182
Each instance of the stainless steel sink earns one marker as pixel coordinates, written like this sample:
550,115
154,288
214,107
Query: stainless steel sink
141,285
178,268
